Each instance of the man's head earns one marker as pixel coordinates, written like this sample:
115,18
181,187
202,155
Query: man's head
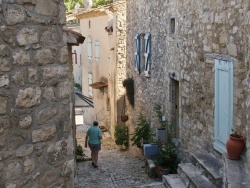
95,123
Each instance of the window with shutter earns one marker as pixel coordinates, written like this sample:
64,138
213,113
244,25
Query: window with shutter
90,81
137,53
89,46
97,50
147,54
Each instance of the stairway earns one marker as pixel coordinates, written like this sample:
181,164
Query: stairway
204,171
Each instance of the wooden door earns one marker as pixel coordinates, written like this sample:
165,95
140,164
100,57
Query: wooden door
223,103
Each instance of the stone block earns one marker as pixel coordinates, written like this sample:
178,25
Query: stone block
43,134
50,37
21,58
68,168
47,7
14,14
28,97
29,165
232,49
5,64
3,105
24,150
26,122
54,72
46,114
32,75
44,56
64,55
27,36
64,89
49,93
4,80
62,14
56,151
13,171
11,185
48,178
150,150
19,77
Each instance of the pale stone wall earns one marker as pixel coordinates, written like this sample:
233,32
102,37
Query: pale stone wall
99,68
36,143
111,67
118,69
201,27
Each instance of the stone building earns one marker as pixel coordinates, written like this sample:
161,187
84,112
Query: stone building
192,58
36,92
104,61
73,24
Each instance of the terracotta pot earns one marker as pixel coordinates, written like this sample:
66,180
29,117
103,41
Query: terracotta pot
160,171
235,146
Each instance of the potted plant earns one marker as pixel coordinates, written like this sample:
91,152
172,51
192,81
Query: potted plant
167,160
235,145
161,133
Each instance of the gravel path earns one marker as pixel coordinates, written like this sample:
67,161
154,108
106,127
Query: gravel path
116,168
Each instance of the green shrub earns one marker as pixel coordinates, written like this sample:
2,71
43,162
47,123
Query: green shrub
78,86
121,135
142,133
79,150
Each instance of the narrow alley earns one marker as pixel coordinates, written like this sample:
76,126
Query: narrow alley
116,168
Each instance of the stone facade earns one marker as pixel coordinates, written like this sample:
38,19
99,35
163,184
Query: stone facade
184,33
36,141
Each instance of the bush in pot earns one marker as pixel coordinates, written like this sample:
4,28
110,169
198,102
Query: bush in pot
235,145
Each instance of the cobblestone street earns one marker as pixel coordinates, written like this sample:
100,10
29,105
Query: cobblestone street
116,169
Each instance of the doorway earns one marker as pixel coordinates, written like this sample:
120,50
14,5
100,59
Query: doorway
174,106
223,111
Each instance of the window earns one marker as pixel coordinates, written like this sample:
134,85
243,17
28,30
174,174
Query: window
89,46
97,50
172,26
74,56
90,81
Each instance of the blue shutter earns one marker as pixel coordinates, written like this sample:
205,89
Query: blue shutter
137,53
147,54
89,46
97,50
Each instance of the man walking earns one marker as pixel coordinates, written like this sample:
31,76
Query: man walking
93,139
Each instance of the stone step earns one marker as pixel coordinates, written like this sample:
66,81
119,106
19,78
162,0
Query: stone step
151,185
172,181
210,166
236,173
191,176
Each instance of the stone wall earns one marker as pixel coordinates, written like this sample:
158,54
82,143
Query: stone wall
201,27
120,64
36,143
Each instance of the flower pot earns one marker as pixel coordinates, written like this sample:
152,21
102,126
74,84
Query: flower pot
161,133
160,171
235,146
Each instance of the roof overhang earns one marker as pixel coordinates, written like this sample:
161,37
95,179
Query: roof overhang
98,85
73,38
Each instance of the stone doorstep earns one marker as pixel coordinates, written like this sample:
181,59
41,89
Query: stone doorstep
172,181
191,176
151,185
150,167
236,173
210,166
